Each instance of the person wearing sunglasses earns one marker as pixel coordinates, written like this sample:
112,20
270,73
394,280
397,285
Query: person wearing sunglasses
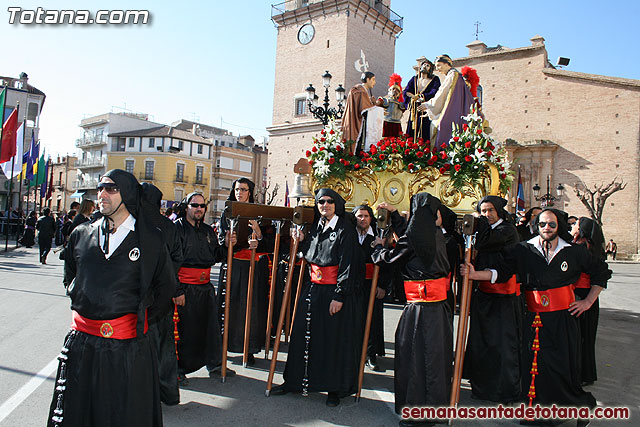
118,276
423,362
200,342
326,340
242,191
492,360
548,267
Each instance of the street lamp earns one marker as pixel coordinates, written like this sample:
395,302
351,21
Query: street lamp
324,113
547,199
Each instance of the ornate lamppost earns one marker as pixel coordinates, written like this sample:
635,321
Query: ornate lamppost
324,114
547,199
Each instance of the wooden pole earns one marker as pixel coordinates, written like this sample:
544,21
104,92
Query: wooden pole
247,318
285,302
272,288
461,337
303,265
367,328
227,298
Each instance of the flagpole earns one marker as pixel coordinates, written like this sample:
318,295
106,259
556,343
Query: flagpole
24,131
4,103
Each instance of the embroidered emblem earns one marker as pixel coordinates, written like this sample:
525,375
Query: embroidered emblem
564,266
202,276
545,301
134,254
319,275
333,236
106,330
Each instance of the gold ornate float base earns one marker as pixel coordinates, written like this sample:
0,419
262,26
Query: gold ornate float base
396,187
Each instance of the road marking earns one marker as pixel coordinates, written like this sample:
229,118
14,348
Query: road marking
25,391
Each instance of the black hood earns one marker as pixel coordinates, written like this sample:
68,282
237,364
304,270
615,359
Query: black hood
449,219
498,203
129,189
374,219
590,230
421,229
252,186
563,228
339,201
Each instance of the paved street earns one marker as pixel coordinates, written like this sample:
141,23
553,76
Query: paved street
34,318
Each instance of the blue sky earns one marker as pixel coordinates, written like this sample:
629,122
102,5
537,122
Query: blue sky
214,61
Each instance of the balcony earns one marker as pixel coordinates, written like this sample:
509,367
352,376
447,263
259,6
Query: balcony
86,184
145,176
200,181
91,141
95,162
180,178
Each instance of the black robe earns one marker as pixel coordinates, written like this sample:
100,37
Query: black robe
101,381
333,342
239,288
588,329
558,378
492,359
424,337
200,341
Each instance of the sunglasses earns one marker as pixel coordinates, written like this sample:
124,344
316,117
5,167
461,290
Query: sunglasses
242,190
323,201
198,205
109,187
551,224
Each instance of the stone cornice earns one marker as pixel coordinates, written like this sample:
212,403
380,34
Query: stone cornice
592,77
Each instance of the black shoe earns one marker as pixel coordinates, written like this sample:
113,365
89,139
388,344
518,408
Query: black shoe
172,403
217,372
251,360
333,400
278,390
182,380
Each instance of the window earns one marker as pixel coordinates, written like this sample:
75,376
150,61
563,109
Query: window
148,170
179,172
152,142
224,184
224,162
181,145
132,142
178,194
199,174
245,166
118,144
199,148
128,166
301,106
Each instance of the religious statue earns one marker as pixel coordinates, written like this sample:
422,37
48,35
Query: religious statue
452,101
420,89
359,99
393,105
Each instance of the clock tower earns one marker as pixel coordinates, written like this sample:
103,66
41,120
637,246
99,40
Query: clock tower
344,37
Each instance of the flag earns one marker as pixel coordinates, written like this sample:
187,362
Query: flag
520,199
9,130
3,102
13,168
33,154
38,177
286,194
50,186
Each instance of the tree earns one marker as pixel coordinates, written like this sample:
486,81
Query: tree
264,196
595,199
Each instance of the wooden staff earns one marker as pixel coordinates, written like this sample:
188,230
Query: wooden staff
272,288
303,265
285,302
461,338
247,318
227,298
383,222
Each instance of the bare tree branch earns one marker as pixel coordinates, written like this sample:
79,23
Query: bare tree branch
595,199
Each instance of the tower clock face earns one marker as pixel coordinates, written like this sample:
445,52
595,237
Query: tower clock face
306,33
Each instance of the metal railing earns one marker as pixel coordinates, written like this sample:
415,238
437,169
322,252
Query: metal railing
200,181
94,162
145,176
180,178
86,184
89,140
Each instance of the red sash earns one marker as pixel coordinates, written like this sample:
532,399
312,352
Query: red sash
194,276
509,287
121,328
324,275
246,254
368,275
427,290
550,300
584,282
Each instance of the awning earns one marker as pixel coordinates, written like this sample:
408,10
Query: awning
77,195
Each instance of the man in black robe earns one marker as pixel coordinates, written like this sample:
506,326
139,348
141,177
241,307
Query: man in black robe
117,273
46,227
527,230
492,360
325,345
424,337
200,341
548,267
242,191
161,331
366,228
